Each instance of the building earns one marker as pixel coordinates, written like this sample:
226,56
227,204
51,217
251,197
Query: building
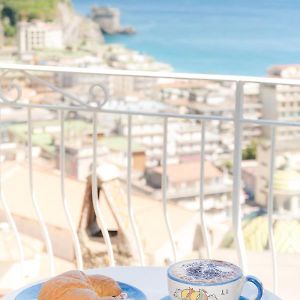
47,192
184,181
281,102
285,71
285,179
79,159
119,57
38,35
215,99
118,147
112,149
184,139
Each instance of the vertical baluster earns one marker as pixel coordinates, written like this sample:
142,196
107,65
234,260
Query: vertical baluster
63,196
236,206
270,207
95,197
201,194
34,201
7,211
129,202
165,188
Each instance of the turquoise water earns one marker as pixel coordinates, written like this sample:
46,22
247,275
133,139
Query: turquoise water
211,36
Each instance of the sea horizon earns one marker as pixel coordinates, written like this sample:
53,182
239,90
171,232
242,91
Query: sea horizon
209,36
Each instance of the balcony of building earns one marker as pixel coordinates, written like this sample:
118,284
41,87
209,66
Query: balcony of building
91,179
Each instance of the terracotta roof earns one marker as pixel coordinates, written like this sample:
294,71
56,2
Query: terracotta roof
47,190
190,171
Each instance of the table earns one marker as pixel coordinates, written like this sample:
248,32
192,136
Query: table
151,280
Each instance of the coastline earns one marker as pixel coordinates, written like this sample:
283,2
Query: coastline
224,38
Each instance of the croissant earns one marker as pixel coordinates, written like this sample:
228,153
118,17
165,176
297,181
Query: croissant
76,285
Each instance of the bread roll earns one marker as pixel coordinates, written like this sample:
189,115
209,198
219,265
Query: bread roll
104,286
75,285
80,294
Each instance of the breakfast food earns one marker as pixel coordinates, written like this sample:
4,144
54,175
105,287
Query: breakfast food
75,285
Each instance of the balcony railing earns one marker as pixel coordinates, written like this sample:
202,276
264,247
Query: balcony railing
11,96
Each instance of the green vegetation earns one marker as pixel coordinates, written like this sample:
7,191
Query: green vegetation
119,143
250,151
228,165
13,11
9,30
44,138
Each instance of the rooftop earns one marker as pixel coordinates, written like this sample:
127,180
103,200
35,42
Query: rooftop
119,143
189,171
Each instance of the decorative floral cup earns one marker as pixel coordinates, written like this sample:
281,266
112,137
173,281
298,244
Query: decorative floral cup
208,280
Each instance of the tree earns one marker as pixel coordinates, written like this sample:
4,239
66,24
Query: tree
250,151
9,14
9,30
14,10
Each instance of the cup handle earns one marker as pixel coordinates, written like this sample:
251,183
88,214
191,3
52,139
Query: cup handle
258,284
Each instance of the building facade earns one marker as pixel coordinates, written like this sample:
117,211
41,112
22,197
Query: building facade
215,99
281,102
39,36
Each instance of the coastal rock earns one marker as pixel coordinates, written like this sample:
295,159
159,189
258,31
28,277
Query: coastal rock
79,32
108,20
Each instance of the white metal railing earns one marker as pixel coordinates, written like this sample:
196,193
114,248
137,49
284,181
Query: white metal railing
201,198
95,195
130,210
76,242
33,196
96,108
8,214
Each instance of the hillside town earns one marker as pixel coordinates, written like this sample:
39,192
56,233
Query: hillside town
52,43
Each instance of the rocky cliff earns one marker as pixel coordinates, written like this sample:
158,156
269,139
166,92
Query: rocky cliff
79,32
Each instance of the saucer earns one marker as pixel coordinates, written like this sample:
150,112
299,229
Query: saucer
169,298
32,292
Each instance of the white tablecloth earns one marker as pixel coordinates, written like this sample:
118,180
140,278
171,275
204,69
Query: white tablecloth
152,281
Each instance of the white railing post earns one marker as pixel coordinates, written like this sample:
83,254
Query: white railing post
164,185
129,202
8,213
41,219
95,198
204,230
236,204
270,207
75,239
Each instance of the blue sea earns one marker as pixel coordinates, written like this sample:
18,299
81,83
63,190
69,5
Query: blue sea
211,36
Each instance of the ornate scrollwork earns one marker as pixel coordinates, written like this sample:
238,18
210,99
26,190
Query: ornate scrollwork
8,89
93,95
97,94
92,100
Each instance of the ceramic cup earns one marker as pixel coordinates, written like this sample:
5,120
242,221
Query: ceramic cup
208,280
